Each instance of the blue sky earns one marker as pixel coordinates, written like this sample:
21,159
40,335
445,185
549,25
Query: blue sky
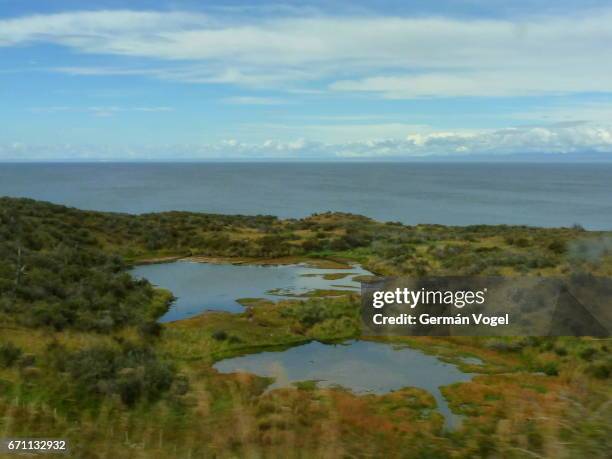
331,80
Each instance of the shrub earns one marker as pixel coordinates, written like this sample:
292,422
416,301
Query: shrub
219,335
561,351
150,329
314,311
588,353
600,370
550,369
557,247
311,313
9,354
132,372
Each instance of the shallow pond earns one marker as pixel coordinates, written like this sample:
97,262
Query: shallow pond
203,287
361,366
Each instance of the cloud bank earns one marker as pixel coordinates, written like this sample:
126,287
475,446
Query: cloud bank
562,139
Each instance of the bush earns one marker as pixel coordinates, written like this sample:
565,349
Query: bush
219,335
557,247
132,372
550,369
561,351
150,329
9,354
600,370
314,311
588,353
311,313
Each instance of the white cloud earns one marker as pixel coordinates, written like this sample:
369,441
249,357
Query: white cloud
503,81
95,31
392,56
553,139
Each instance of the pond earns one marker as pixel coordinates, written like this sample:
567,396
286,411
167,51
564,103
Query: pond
361,366
201,287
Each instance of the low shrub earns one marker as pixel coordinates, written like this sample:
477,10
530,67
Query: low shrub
9,354
130,371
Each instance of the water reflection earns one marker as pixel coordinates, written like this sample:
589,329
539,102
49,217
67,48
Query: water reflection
361,366
203,287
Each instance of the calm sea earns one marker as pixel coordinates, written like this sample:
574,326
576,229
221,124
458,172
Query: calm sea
445,193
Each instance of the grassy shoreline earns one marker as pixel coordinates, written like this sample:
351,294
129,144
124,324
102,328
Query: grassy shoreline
324,263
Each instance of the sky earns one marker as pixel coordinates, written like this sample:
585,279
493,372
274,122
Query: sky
338,80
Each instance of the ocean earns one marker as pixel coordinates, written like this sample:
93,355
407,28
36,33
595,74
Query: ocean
535,194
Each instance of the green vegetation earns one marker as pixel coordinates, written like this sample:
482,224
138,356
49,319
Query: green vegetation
132,372
9,354
55,273
82,355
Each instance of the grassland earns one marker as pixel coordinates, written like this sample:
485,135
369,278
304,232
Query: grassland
82,356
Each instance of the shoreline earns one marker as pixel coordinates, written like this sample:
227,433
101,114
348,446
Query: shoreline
317,263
